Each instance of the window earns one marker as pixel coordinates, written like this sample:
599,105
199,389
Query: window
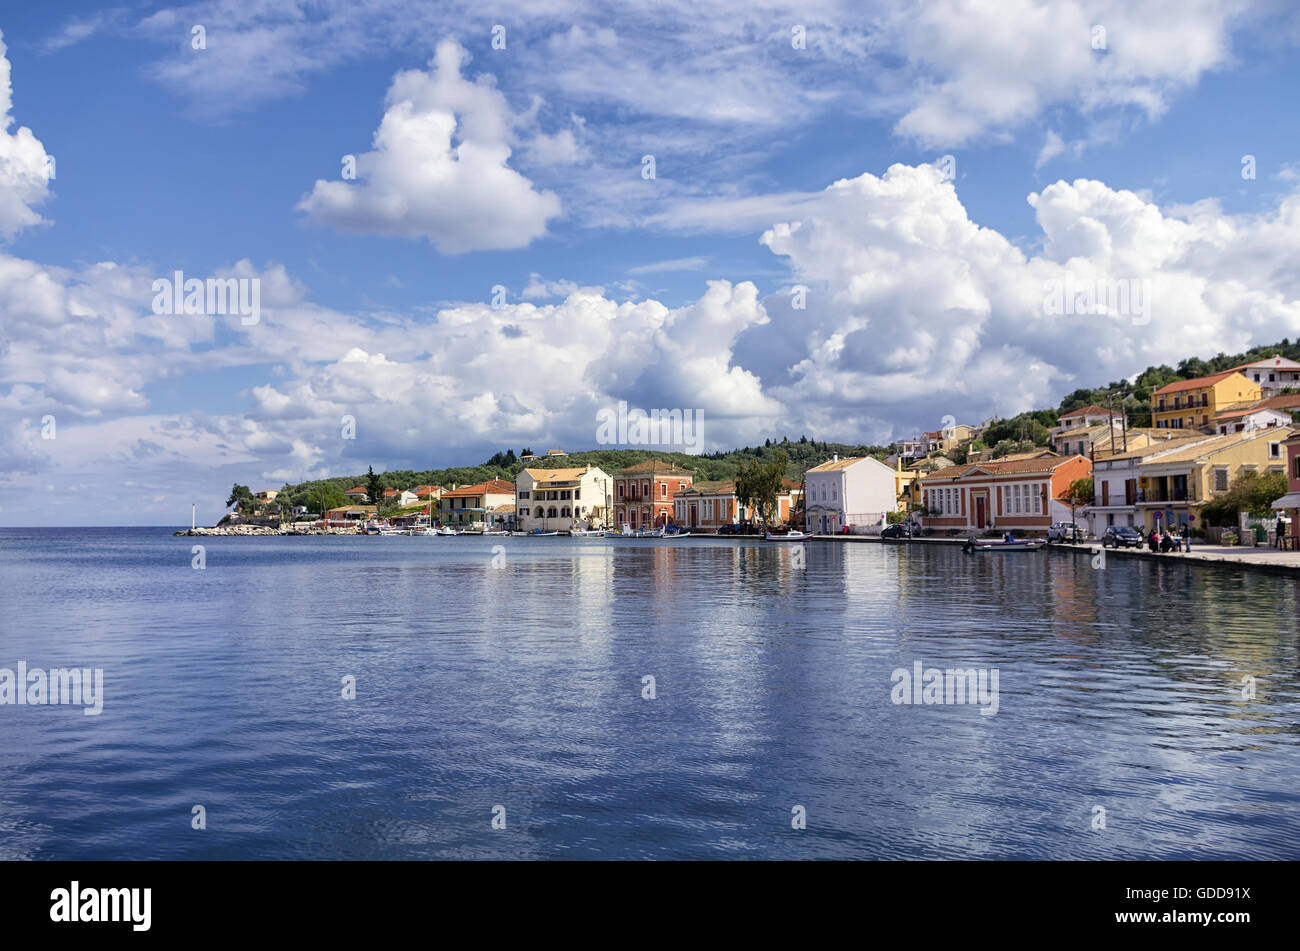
523,494
1275,450
1295,467
620,490
1220,480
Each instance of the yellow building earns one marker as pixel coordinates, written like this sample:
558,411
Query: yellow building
1179,483
1191,404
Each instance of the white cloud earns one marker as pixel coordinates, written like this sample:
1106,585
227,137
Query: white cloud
439,168
24,164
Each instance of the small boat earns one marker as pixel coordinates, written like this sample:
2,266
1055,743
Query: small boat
1003,544
587,533
538,533
791,536
497,531
628,532
445,530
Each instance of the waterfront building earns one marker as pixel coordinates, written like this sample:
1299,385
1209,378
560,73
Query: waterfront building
472,506
347,516
844,492
708,506
1178,484
1115,478
562,499
643,493
1019,494
1191,404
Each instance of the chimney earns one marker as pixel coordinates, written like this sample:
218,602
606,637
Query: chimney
835,458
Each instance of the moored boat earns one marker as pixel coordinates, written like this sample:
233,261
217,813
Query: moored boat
790,536
1003,544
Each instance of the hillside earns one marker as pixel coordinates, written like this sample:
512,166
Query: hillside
804,454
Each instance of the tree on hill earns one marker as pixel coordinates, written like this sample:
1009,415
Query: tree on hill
374,487
241,497
324,497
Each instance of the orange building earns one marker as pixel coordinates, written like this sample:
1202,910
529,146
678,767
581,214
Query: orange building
1022,494
643,493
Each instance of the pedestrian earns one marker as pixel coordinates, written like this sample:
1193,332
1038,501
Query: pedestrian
1279,531
1153,541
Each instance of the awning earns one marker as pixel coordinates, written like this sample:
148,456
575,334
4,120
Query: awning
1289,501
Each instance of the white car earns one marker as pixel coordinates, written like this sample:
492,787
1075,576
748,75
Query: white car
1065,532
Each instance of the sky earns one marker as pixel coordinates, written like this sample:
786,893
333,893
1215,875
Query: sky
468,231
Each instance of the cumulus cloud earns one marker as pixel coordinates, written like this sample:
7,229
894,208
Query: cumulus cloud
25,167
439,168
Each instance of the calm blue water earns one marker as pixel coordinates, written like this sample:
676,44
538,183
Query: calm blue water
521,686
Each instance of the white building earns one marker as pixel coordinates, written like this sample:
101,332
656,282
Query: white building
848,492
1116,486
1272,374
1247,420
562,499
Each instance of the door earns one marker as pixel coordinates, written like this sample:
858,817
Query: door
979,511
695,515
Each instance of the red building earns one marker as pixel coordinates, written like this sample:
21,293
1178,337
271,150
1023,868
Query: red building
643,493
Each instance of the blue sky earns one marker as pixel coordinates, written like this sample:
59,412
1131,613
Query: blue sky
522,168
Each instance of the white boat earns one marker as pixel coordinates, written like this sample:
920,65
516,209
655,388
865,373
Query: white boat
628,532
538,533
497,531
587,533
790,536
447,530
1003,544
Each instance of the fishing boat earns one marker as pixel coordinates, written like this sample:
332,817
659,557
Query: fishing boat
446,530
790,536
587,532
1003,544
538,533
497,531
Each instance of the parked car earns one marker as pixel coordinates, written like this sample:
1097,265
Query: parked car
1065,532
739,528
899,530
1121,536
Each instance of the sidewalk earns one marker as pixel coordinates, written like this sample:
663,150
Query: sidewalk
1267,559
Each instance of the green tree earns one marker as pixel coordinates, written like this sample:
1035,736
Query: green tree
1080,493
1253,492
374,488
241,497
325,497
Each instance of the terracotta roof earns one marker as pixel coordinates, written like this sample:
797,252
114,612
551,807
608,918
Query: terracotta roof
1276,360
1195,384
1092,410
1159,445
833,465
1215,444
425,489
361,488
558,475
491,487
654,467
1000,467
713,487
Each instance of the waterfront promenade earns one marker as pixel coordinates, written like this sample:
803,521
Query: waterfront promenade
1236,556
